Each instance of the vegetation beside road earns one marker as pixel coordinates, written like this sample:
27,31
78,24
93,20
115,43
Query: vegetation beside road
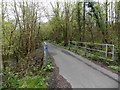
111,64
23,30
34,78
85,22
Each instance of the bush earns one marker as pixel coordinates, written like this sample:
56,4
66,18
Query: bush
29,80
62,43
13,81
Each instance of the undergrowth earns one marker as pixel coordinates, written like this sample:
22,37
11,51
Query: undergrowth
111,64
29,80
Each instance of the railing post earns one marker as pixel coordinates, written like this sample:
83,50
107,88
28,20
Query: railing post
85,48
45,53
113,52
106,50
69,44
76,46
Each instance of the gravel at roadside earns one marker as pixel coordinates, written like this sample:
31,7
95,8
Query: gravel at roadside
57,81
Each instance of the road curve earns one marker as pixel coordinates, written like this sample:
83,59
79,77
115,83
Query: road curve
80,72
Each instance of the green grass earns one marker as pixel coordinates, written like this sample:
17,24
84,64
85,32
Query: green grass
33,82
30,80
115,67
13,81
94,56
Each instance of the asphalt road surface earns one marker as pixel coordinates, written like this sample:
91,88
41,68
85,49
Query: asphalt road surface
80,72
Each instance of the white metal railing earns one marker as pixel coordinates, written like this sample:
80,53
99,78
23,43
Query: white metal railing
70,43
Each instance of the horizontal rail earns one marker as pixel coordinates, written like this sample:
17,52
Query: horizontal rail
103,57
92,43
96,50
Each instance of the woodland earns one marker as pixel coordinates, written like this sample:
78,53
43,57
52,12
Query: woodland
22,33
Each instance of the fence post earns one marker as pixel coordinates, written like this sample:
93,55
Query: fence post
76,46
85,48
69,44
106,50
45,53
113,52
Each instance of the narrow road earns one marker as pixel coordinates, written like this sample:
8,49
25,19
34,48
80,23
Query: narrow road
80,72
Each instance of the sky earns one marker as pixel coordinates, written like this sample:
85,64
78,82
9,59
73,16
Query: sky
46,3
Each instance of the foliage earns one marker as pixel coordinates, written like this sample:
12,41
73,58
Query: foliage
29,80
20,34
13,81
87,22
94,56
49,67
33,82
115,67
71,21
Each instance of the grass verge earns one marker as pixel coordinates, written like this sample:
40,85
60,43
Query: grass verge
30,79
110,64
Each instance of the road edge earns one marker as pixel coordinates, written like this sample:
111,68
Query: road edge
103,70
